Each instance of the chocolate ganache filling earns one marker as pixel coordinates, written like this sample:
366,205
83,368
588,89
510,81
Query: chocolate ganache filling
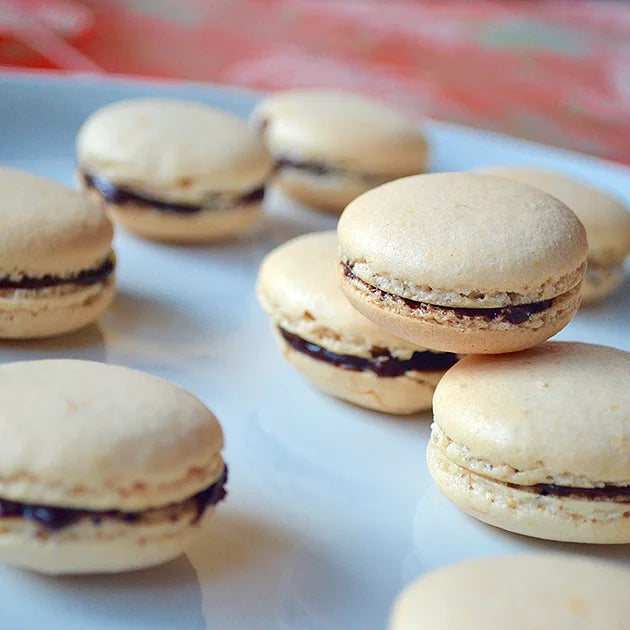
323,169
113,193
83,278
516,314
56,518
617,494
382,362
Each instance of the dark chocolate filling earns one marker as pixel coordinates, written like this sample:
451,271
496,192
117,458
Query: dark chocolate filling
83,278
382,362
56,518
321,169
516,314
618,494
114,193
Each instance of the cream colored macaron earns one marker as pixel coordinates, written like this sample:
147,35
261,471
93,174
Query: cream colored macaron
56,260
463,262
606,219
173,170
527,592
102,468
334,346
538,442
330,146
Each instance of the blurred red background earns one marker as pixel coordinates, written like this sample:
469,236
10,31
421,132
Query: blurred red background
555,71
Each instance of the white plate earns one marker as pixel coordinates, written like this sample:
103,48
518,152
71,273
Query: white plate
330,510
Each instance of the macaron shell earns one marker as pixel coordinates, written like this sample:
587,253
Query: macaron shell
175,150
100,437
526,592
37,314
462,239
341,129
399,395
606,219
328,193
527,513
107,547
552,414
199,227
48,228
299,288
447,333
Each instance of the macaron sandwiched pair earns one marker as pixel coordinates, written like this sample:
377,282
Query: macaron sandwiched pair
102,468
57,266
527,592
605,218
173,170
332,344
538,442
463,262
330,146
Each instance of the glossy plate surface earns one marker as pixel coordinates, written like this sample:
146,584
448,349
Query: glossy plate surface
331,510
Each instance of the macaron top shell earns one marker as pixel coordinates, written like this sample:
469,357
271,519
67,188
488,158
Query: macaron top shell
342,129
48,228
606,219
524,592
557,413
463,239
175,150
88,435
298,284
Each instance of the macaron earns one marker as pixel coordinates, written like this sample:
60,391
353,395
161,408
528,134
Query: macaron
606,219
173,170
102,468
538,442
462,262
331,343
56,260
330,146
527,592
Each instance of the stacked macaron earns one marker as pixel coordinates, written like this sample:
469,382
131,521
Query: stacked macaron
482,265
463,262
527,436
332,344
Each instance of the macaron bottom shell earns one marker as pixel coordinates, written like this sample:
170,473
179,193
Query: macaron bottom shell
38,313
107,547
329,193
402,395
205,226
562,519
445,331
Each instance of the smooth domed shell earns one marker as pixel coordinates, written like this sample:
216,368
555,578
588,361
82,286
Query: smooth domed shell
561,409
48,228
526,592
